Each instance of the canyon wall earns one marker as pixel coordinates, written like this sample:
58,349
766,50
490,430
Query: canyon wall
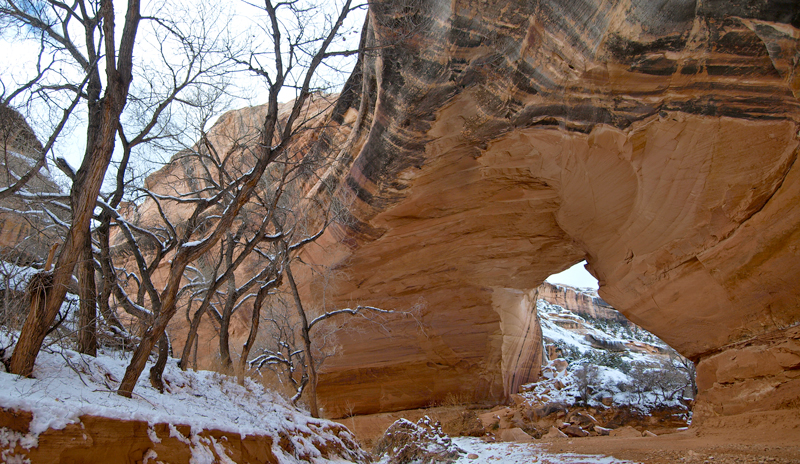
500,142
26,232
495,143
583,302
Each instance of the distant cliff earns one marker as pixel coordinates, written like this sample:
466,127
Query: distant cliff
583,302
23,232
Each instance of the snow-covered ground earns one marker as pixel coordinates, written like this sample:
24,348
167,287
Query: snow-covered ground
520,453
66,385
424,442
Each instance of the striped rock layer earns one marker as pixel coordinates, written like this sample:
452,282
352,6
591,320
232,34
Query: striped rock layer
498,142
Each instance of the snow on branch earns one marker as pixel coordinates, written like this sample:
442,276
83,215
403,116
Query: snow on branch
352,311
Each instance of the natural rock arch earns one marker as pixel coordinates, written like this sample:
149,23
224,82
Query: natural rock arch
498,144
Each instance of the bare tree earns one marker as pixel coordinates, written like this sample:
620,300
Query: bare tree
105,100
207,224
219,292
191,75
274,225
299,340
190,56
586,380
687,368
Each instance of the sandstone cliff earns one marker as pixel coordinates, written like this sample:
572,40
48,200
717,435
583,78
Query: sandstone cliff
24,234
502,142
583,302
497,143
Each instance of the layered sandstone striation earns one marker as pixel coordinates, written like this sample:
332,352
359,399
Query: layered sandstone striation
505,141
583,302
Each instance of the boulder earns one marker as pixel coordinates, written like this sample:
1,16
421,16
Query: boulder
575,431
625,432
560,365
518,400
489,420
601,430
405,441
583,419
547,409
515,434
555,433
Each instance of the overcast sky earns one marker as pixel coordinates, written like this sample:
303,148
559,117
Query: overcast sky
576,276
246,21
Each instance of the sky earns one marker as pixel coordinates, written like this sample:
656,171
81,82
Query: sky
237,20
576,276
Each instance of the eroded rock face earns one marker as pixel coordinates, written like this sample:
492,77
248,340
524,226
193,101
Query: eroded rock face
96,439
497,143
502,142
26,233
580,301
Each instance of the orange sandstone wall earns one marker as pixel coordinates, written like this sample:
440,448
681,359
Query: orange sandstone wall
502,142
579,302
496,143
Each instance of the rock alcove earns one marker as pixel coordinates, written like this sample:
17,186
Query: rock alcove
489,145
498,144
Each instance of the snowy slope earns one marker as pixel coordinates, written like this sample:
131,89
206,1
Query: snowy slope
521,453
623,364
66,385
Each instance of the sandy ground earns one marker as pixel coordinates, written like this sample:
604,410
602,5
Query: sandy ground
747,439
680,447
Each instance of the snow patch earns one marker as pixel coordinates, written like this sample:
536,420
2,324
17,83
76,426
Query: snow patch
521,453
150,456
9,439
152,435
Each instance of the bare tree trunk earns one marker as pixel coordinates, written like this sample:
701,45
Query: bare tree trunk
251,336
104,117
106,278
191,337
194,360
224,346
227,310
191,340
311,369
156,330
87,319
157,371
224,335
41,317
